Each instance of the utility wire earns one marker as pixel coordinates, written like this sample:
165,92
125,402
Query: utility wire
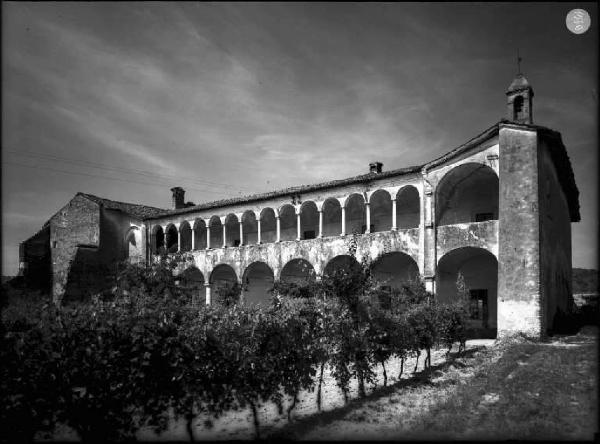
38,167
122,169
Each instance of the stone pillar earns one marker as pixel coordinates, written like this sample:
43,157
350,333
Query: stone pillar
320,223
208,295
178,239
298,228
224,235
368,211
394,221
521,302
208,237
429,234
278,239
343,221
241,233
193,237
258,240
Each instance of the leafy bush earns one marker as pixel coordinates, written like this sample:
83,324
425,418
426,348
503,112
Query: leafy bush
143,353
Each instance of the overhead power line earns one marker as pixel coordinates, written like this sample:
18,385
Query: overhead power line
106,167
39,167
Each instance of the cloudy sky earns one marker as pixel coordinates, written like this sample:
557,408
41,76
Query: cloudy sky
126,100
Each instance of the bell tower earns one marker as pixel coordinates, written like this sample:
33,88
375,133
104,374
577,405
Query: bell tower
520,99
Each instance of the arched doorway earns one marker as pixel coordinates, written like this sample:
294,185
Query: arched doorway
341,264
250,228
332,217
216,232
381,211
158,240
224,284
309,220
355,214
192,280
199,234
258,284
232,231
287,223
268,226
171,240
298,271
479,271
467,193
394,269
185,232
408,208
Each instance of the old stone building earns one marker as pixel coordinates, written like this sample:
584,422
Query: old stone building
497,210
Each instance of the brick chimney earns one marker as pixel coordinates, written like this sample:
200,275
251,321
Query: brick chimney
375,167
178,197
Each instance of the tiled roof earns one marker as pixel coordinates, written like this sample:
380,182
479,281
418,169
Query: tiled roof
331,184
140,211
291,190
559,156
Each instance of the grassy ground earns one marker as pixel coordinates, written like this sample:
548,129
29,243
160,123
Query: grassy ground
514,390
508,390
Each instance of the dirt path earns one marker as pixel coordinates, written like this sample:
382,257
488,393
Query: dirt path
457,392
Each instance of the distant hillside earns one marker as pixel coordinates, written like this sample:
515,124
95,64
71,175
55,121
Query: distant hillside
585,280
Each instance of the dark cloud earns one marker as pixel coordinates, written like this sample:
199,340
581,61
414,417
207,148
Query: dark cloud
247,97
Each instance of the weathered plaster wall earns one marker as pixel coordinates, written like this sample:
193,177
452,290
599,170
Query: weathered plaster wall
77,223
519,304
555,238
316,251
477,234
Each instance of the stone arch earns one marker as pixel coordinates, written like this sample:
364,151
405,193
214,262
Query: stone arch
171,238
185,231
199,234
467,193
287,222
133,247
232,230
394,269
332,217
222,279
257,283
381,211
408,207
343,262
250,227
158,240
216,232
309,220
298,271
192,280
355,214
479,268
268,226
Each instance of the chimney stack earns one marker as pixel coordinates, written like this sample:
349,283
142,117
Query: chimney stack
178,197
375,167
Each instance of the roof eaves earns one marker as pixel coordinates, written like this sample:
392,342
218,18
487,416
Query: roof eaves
363,178
482,137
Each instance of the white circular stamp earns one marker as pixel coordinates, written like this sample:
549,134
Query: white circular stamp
578,21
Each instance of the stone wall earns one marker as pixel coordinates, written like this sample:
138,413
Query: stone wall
77,223
555,238
35,261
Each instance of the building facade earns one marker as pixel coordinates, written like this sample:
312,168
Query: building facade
496,210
